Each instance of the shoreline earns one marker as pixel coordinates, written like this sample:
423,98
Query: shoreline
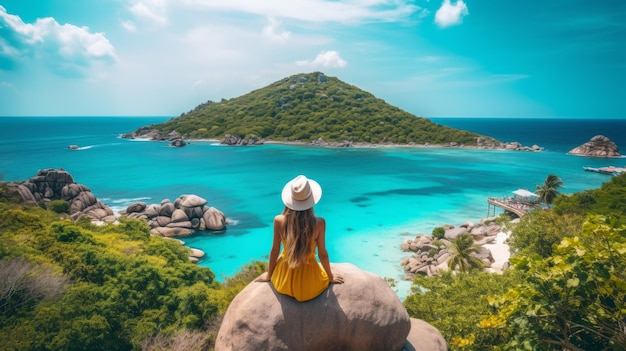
504,146
429,256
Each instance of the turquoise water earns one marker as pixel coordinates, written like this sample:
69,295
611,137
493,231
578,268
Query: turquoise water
373,199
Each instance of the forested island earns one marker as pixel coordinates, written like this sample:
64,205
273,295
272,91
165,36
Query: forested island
313,107
73,285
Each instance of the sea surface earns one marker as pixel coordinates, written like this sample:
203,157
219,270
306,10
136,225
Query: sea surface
373,198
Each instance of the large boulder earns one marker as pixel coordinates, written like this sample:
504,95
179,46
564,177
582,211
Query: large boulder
363,314
454,233
191,201
52,184
424,337
598,146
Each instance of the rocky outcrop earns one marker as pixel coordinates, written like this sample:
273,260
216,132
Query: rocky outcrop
233,140
52,184
363,314
181,218
424,337
432,255
516,146
178,142
174,137
598,146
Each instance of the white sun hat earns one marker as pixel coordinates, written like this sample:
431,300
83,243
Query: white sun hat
301,193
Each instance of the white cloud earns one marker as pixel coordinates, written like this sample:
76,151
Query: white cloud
317,10
129,26
326,59
275,31
450,15
151,10
66,49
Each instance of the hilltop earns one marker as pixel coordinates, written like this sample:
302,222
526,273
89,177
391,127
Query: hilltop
307,107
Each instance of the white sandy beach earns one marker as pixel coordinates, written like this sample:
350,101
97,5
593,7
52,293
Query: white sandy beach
500,251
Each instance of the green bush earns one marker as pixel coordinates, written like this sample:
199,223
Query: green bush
439,233
59,206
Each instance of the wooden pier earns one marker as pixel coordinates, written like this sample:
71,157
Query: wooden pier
519,204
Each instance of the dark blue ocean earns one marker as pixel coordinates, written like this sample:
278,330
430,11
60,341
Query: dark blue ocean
373,199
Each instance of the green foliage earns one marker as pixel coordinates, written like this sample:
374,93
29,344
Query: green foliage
549,190
76,286
462,249
567,290
438,233
455,304
574,299
539,231
233,285
59,206
608,200
306,107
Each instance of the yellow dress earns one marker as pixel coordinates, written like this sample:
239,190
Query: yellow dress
304,282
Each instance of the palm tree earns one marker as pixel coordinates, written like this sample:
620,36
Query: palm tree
462,249
550,189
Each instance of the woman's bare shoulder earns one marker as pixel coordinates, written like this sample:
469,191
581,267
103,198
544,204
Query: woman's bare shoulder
320,221
280,218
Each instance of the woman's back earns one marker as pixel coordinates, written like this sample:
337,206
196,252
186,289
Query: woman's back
304,281
297,272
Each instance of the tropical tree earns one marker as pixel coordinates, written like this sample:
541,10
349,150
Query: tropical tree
572,300
455,304
539,231
549,190
462,249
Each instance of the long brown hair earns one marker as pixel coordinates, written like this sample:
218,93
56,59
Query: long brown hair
299,230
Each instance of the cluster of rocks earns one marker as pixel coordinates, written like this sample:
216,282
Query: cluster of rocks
233,140
598,146
516,146
362,314
174,137
52,184
181,218
432,255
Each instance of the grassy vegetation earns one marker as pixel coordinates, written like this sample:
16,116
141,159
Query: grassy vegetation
76,286
305,107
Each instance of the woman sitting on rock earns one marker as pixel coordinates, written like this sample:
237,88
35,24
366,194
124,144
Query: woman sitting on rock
296,272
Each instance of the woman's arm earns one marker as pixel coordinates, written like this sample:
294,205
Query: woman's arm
322,253
279,222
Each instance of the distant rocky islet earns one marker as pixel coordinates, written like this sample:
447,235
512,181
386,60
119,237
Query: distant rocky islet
313,109
598,146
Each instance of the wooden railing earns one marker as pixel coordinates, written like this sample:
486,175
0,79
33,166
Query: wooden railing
515,206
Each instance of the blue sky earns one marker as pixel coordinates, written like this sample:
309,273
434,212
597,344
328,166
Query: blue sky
471,58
